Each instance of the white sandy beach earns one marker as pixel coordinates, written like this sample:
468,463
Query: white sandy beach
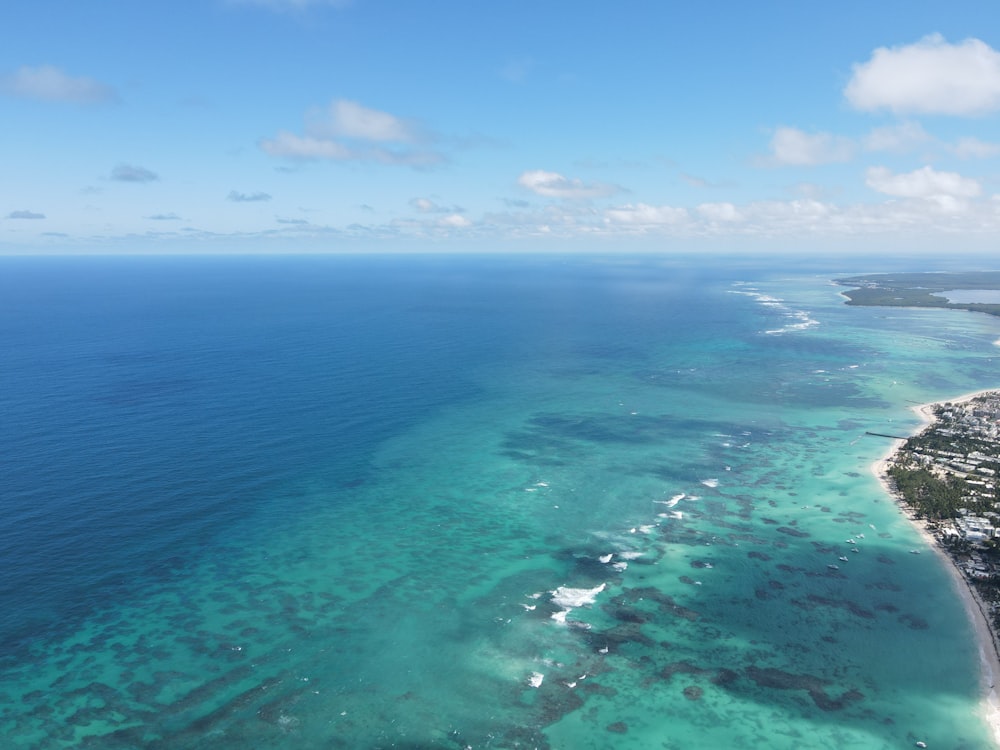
988,645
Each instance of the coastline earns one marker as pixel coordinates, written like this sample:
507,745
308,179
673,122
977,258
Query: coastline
988,643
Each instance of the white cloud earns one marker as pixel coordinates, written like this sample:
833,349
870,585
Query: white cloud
794,147
305,147
930,76
348,131
902,137
454,220
427,206
49,83
719,212
922,183
973,148
131,173
642,214
347,119
554,185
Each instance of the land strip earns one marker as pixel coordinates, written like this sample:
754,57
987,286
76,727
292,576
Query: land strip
920,289
945,478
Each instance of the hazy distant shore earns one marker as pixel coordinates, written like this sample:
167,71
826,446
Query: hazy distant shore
988,644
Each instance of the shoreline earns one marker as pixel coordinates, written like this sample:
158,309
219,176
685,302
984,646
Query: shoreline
987,641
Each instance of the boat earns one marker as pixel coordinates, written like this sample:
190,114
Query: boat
842,558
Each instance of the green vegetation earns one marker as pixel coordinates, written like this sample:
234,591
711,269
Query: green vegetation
920,289
929,496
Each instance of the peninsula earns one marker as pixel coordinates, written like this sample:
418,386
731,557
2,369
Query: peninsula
946,480
923,290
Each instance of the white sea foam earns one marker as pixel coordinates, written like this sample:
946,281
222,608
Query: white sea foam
630,555
535,680
620,566
801,319
710,482
569,598
605,558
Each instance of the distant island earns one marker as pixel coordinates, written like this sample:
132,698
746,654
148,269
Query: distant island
922,290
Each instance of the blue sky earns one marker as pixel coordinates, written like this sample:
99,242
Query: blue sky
388,126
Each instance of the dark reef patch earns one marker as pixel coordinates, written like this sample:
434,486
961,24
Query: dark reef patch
788,530
816,688
693,692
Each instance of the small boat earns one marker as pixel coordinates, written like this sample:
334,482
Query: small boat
842,558
914,552
833,567
850,541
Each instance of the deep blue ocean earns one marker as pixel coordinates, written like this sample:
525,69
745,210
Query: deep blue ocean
450,502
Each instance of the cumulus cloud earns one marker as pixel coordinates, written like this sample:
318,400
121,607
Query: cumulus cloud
132,173
929,77
348,131
554,185
922,183
794,147
238,197
25,215
725,212
49,83
454,220
642,214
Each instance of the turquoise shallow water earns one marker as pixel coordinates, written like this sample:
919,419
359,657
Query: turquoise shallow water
451,503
